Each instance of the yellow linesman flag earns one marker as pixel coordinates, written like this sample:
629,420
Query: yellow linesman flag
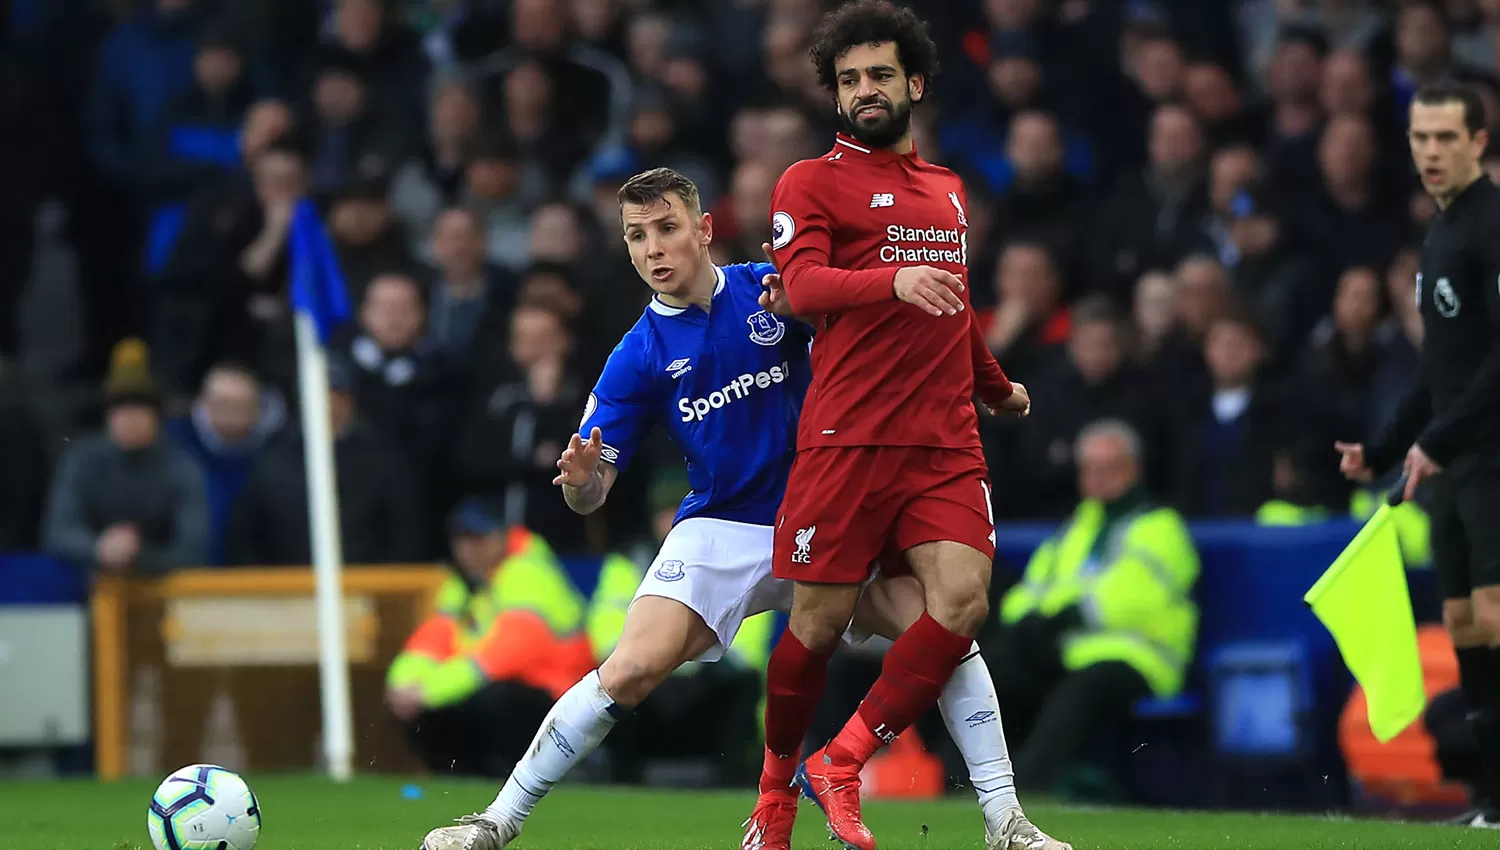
1363,602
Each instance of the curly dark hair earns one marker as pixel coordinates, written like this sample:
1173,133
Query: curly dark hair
873,22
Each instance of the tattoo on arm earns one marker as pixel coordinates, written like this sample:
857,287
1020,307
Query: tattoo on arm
589,497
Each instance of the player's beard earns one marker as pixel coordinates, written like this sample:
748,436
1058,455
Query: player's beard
884,132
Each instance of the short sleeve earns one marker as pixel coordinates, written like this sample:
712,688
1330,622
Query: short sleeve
620,405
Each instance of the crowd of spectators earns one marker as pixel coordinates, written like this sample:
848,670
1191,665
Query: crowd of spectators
1195,216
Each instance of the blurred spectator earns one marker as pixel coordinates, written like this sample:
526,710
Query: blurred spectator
1224,466
1283,286
195,139
223,289
144,65
366,236
1474,36
1293,82
404,386
353,136
745,223
1346,87
128,501
469,297
384,52
477,677
1399,367
1102,617
1044,203
1092,380
777,136
1353,217
1029,320
431,180
382,513
230,424
1154,219
1424,51
1339,377
1216,101
547,149
508,446
491,189
1153,314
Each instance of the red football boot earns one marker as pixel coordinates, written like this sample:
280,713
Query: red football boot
835,788
770,825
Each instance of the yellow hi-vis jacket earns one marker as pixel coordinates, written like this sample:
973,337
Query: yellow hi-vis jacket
618,579
1131,577
525,625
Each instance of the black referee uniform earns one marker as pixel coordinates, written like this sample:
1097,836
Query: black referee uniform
1454,412
1454,415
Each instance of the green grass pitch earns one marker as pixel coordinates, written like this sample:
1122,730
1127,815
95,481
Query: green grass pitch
306,813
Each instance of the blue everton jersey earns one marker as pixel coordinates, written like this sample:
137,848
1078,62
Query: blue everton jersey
727,384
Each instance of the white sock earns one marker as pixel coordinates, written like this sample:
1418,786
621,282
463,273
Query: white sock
972,712
574,727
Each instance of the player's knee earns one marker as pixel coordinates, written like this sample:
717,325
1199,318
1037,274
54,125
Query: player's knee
962,612
820,635
629,678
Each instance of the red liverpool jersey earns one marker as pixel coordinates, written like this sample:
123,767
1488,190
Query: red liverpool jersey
885,373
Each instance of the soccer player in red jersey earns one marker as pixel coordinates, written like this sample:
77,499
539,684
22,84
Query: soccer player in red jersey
871,244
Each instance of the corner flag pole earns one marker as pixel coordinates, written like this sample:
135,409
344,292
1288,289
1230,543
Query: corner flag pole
319,302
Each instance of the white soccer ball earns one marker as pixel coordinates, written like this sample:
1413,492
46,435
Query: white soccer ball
203,807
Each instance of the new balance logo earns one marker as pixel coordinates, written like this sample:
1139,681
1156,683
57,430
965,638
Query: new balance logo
803,555
679,367
882,199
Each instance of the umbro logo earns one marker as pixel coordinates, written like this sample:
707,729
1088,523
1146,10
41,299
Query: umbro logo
882,199
679,367
979,718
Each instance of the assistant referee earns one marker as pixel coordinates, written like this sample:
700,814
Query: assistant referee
1449,426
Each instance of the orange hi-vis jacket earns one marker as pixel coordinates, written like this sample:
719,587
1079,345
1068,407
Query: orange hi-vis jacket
524,625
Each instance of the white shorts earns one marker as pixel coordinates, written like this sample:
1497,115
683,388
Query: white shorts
722,571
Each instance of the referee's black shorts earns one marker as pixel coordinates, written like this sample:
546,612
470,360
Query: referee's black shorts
1465,513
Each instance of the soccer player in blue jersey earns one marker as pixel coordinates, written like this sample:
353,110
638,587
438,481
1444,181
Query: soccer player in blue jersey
726,378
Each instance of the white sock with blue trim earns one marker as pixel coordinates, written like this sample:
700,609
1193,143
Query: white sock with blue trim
972,713
572,730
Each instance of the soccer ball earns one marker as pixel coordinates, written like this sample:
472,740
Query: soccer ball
203,807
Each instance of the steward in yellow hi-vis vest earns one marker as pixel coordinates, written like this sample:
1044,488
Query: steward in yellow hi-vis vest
1103,615
473,681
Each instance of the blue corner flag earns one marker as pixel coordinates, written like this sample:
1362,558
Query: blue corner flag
317,282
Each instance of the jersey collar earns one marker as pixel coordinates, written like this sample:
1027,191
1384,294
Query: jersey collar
668,310
847,144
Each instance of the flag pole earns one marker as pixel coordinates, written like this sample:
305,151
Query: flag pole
327,549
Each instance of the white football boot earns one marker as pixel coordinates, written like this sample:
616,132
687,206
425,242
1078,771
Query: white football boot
472,833
1481,820
1018,833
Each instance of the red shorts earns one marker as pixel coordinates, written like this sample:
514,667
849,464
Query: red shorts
847,507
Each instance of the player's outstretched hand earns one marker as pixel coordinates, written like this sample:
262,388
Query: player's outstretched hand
580,459
1017,404
1352,463
931,289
